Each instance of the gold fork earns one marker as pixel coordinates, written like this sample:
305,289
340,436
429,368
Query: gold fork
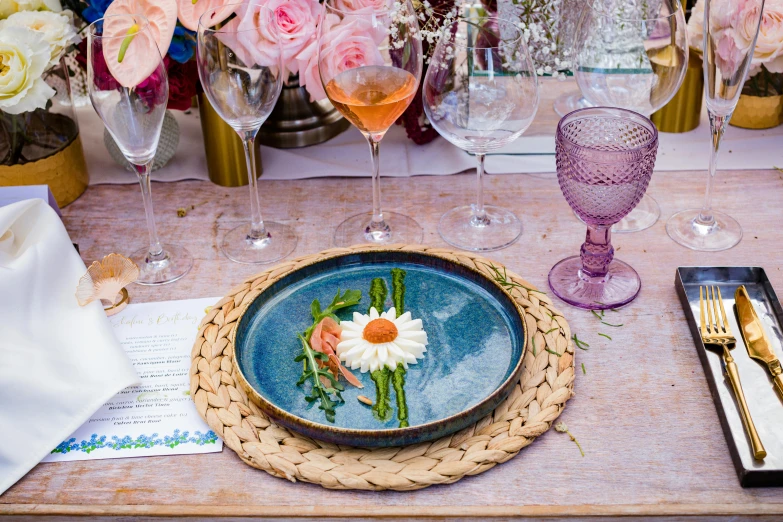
717,332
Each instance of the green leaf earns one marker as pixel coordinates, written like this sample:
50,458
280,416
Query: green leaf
315,308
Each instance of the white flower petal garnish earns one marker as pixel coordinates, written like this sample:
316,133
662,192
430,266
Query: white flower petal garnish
372,341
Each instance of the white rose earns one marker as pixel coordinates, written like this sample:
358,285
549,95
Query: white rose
696,26
24,56
9,7
769,45
56,28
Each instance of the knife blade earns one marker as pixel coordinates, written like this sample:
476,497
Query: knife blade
756,340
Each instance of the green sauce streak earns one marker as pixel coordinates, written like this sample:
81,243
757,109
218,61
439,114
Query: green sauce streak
377,294
398,381
382,409
398,378
398,290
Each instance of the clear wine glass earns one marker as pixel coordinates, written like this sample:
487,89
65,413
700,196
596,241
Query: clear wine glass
129,90
632,55
370,63
570,13
480,93
730,31
241,70
605,158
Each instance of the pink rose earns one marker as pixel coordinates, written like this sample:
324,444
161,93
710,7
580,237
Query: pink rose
296,26
245,35
355,5
296,22
723,28
769,45
345,44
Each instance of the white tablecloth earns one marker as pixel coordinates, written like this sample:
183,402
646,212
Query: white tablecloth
348,154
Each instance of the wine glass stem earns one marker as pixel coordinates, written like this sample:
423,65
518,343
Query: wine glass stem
156,250
375,149
717,127
480,218
597,251
257,229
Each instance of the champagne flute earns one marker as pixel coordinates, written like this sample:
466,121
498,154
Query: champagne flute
632,55
129,90
370,63
480,93
241,70
730,31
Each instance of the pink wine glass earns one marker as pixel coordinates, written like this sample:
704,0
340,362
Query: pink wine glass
605,158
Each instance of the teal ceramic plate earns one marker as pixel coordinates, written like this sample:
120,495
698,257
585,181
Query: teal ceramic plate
474,357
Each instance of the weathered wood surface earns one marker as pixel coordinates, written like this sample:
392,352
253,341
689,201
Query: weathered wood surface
642,411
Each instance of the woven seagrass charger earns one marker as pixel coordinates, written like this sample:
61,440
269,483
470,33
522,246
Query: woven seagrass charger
546,384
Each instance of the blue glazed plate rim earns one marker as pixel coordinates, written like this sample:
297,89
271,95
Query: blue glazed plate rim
340,434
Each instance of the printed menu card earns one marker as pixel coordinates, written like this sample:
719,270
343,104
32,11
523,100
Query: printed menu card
157,417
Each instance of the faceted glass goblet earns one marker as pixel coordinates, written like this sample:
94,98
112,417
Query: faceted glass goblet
605,158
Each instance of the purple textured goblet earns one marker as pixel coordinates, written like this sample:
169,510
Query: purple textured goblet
605,158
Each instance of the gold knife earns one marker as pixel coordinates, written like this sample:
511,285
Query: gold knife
756,340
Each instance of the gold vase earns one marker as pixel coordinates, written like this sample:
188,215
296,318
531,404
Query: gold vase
683,112
42,147
758,112
226,162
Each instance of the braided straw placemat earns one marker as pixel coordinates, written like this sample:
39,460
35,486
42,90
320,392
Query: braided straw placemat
546,384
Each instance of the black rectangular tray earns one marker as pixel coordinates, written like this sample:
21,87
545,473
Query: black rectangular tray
766,408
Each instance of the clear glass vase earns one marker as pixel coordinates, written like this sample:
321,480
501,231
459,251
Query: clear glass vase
42,147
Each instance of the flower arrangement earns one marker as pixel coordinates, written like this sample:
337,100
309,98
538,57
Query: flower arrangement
178,56
735,31
34,35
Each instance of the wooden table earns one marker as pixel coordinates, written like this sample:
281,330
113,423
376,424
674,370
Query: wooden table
642,411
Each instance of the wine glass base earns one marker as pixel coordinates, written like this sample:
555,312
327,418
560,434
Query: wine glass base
176,263
395,228
238,247
567,103
459,227
642,217
619,287
685,228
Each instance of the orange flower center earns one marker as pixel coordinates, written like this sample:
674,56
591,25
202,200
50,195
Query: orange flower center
380,331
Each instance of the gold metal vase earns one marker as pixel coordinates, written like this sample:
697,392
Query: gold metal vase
758,112
683,112
43,147
226,162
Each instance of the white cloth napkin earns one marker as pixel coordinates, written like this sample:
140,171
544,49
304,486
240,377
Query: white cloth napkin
59,362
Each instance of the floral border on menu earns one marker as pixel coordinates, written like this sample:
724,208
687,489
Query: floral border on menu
142,441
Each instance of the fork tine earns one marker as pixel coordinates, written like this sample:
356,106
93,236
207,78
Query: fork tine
711,328
723,312
718,323
701,312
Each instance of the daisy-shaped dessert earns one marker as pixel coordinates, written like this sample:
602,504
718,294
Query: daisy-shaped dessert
373,341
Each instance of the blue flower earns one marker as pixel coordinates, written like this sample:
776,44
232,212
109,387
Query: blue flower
183,44
95,10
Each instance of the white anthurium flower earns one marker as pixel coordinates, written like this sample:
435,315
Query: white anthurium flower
56,28
9,7
24,56
372,341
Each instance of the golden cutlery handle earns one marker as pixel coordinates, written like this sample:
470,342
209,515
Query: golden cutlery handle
731,368
778,380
